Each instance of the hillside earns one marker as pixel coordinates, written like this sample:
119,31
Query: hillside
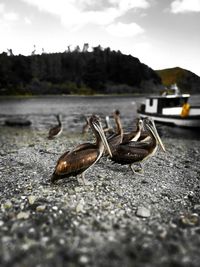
187,81
76,72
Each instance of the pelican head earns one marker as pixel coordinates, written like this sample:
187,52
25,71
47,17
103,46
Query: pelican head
95,123
116,112
149,125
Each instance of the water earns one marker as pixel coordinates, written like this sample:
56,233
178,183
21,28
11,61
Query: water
41,111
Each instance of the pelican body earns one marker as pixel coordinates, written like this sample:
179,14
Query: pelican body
84,156
137,152
56,130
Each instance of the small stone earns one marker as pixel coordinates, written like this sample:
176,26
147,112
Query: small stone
191,194
23,215
7,204
197,207
1,223
41,208
143,212
83,259
31,199
190,219
79,207
78,189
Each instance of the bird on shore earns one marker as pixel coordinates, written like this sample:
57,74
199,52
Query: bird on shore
134,135
56,130
116,138
137,152
86,126
84,156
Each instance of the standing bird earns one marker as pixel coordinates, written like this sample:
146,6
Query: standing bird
116,138
56,130
86,126
135,134
84,156
137,152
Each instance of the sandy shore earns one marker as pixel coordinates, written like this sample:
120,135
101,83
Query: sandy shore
120,220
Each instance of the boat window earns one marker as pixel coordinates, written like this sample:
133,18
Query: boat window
151,102
172,102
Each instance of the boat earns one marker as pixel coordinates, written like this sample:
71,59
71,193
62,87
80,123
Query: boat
174,109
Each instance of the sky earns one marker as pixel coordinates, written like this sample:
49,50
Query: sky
160,33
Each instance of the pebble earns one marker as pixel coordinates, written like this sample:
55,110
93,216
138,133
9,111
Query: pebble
80,207
7,204
143,212
23,215
189,219
31,199
41,208
83,259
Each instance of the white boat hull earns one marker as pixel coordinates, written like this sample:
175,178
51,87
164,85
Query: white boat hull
182,122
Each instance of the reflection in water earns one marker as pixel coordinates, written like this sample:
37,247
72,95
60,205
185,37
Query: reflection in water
41,111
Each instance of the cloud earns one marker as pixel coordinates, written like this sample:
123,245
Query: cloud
74,14
185,6
27,20
124,30
2,7
7,16
11,16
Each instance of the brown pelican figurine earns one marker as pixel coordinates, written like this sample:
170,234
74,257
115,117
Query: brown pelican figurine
86,126
116,138
135,134
137,152
84,156
56,130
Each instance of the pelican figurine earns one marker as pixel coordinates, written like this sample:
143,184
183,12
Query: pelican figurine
135,134
116,138
86,126
138,152
84,156
56,130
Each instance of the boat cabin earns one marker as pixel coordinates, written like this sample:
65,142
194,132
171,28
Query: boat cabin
165,105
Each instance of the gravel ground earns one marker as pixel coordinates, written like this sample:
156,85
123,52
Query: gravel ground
121,219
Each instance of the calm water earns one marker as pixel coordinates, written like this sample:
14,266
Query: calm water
41,110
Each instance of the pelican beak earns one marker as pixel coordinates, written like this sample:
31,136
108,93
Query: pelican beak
156,135
103,138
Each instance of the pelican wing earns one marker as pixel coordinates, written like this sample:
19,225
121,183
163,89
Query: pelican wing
76,161
127,155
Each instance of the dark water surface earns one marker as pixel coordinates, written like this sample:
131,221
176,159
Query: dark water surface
41,110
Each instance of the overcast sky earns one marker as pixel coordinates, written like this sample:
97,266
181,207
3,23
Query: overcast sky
161,33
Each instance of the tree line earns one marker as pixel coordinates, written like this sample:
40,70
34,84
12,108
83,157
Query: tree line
75,72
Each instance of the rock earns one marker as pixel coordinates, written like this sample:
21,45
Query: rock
79,207
31,199
143,212
41,208
23,215
17,122
189,219
7,205
83,259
